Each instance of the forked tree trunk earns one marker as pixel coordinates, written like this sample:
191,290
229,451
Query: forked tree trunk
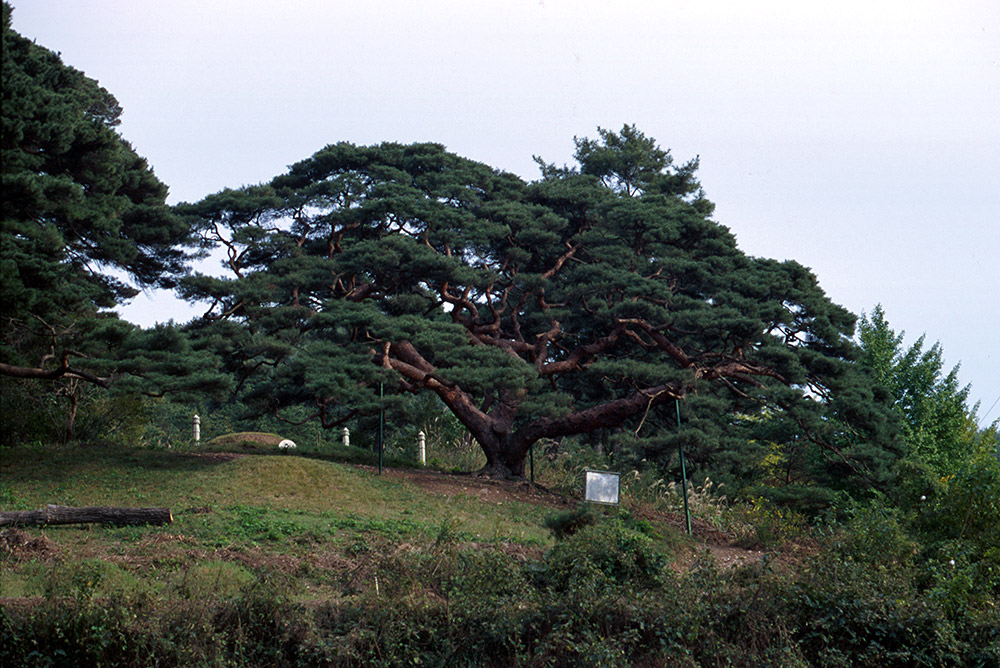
506,449
505,454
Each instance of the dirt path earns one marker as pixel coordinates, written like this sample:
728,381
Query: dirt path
718,544
485,489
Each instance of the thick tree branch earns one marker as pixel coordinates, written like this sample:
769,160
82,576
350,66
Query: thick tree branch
64,370
665,344
583,354
608,414
539,353
404,359
462,301
561,260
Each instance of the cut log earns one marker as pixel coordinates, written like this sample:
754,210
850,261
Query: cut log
88,515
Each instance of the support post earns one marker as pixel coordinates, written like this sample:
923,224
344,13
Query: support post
381,425
684,479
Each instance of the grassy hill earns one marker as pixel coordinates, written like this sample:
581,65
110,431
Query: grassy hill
252,509
281,559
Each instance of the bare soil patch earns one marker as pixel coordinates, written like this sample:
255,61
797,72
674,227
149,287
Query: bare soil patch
484,489
18,545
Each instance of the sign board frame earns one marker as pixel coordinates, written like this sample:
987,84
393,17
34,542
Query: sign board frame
602,487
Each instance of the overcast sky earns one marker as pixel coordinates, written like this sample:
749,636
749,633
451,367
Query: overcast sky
860,138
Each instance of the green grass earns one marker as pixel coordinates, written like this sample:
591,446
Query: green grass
35,476
297,517
312,491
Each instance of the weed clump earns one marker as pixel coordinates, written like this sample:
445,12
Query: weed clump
564,525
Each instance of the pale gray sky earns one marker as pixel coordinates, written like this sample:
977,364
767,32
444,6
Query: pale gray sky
860,138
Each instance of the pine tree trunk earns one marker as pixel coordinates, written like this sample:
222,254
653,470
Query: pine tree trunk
74,404
504,460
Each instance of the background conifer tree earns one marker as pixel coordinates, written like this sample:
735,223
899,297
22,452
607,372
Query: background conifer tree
84,226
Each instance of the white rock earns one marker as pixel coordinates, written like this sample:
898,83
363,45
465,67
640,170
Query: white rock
286,444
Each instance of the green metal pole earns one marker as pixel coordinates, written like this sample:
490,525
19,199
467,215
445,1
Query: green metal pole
381,426
684,478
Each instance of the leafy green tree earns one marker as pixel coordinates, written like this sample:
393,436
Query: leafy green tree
84,222
586,301
939,428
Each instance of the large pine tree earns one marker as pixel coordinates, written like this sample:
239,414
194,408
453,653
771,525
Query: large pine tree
584,301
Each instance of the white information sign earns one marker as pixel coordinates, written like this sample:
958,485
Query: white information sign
602,487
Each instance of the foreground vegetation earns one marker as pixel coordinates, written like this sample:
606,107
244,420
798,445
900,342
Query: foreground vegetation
287,560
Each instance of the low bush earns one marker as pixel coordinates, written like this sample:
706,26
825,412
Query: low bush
603,555
601,597
565,524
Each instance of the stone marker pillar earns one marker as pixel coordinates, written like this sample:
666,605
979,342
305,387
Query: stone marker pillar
197,428
346,437
422,448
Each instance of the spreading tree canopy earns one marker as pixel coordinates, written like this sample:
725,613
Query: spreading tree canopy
584,301
84,224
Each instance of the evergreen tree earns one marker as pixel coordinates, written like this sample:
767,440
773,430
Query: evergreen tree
80,210
939,428
585,301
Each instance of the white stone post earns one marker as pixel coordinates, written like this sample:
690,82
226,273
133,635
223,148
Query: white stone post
422,448
346,437
197,428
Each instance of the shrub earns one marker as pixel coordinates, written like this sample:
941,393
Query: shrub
30,412
759,523
959,529
261,627
969,507
565,524
605,554
875,536
490,603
